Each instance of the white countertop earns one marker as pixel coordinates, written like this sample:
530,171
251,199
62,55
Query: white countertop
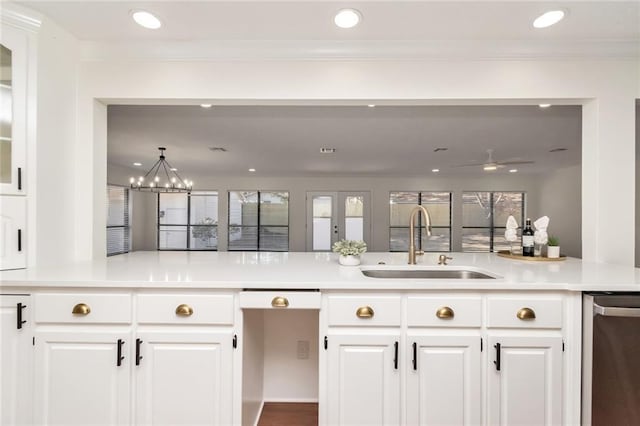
265,270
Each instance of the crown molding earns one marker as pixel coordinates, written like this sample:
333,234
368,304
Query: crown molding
20,17
216,50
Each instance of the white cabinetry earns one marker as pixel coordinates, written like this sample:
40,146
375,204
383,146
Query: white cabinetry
82,358
16,356
525,367
363,379
82,377
184,359
525,383
13,218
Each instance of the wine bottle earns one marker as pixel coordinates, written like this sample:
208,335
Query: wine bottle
527,240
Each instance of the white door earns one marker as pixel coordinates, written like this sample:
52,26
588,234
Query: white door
13,219
333,216
16,356
184,378
444,380
80,379
525,380
363,384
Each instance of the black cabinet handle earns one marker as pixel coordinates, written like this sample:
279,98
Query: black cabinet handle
19,323
395,355
19,239
138,356
326,343
497,361
235,341
19,178
415,356
120,357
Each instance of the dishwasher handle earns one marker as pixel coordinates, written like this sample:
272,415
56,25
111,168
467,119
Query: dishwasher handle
614,311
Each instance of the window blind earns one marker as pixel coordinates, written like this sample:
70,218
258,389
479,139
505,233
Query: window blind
118,228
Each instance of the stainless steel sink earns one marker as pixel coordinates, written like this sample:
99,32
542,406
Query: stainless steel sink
459,274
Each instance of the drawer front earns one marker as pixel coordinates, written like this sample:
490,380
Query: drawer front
83,308
280,300
185,309
364,310
524,312
438,311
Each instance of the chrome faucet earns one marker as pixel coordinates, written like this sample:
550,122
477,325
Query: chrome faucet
412,232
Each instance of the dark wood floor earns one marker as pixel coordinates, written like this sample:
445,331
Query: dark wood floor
289,413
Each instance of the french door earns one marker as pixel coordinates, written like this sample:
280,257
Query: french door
332,216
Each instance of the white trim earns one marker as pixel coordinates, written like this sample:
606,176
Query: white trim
239,50
21,18
257,419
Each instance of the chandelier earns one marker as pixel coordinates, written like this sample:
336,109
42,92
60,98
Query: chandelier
161,178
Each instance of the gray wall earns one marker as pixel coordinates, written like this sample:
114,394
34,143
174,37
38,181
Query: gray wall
558,201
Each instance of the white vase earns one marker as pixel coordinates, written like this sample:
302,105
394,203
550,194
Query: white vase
349,260
553,252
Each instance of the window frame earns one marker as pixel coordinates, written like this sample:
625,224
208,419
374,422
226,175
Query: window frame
188,225
258,224
420,226
492,227
127,219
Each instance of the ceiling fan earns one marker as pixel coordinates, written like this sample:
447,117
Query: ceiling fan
491,164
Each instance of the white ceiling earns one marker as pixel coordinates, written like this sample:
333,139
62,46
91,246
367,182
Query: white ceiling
381,141
313,20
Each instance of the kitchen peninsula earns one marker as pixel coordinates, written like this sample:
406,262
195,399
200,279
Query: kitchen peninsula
135,323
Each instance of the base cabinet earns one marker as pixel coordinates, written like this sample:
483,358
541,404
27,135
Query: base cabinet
444,380
16,357
82,377
525,380
363,380
184,378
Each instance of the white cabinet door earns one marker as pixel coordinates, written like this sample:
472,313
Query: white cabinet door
13,110
13,212
525,380
363,384
184,378
443,380
16,356
80,379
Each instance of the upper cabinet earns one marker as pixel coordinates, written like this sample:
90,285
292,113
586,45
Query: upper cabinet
13,110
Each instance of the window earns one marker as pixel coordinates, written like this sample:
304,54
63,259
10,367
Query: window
259,220
188,222
118,230
484,216
438,205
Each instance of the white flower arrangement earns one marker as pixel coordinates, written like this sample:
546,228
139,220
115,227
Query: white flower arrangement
350,247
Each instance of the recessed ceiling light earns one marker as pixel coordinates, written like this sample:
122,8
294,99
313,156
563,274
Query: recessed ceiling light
371,105
347,18
548,19
252,170
490,168
146,19
173,169
544,105
435,170
137,164
327,150
206,105
513,171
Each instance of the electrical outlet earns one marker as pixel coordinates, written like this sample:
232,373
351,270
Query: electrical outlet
303,349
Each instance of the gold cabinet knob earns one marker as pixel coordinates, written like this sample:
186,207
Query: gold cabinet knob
280,302
364,312
445,313
184,310
526,314
81,309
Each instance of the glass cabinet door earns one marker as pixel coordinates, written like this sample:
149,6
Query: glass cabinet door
6,114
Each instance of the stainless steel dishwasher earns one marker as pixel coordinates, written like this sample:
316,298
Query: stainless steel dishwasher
611,359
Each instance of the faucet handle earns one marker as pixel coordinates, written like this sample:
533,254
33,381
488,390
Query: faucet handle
419,252
442,259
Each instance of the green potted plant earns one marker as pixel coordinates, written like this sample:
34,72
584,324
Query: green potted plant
553,247
349,251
